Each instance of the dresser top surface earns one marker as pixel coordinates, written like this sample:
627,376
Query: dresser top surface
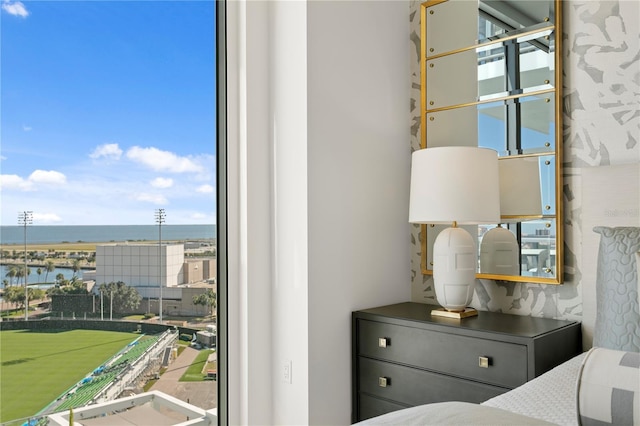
524,326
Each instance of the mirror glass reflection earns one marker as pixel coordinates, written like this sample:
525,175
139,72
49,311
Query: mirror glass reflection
536,254
487,125
498,17
478,22
492,71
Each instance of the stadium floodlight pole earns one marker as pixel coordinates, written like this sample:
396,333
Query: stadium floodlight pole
160,217
25,218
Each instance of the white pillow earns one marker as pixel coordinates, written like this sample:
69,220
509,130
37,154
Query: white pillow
638,267
617,309
608,388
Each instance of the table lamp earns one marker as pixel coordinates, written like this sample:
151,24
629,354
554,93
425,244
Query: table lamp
520,199
454,185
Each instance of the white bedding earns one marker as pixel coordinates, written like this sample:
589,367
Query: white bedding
453,413
550,397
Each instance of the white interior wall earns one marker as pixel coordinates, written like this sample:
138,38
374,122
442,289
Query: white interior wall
288,86
319,178
358,189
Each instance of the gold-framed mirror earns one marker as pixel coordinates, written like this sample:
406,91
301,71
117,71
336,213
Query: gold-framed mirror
491,76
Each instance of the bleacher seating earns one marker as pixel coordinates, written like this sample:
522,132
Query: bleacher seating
87,390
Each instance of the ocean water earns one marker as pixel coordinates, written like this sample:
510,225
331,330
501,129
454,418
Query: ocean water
103,234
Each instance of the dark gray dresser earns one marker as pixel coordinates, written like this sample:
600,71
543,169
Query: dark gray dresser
403,356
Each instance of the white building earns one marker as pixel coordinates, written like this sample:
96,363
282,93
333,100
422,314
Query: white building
140,266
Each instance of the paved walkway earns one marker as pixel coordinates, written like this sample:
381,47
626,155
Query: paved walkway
200,394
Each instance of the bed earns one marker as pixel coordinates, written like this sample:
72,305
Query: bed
602,385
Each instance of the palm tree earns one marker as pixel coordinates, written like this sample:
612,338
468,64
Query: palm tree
208,298
49,267
75,266
19,274
39,272
12,273
23,272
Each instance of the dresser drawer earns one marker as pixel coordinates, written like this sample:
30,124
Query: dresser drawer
369,406
414,387
452,354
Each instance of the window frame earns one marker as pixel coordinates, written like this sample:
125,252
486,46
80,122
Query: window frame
222,312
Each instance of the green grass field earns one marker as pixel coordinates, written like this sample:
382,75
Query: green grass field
36,367
194,372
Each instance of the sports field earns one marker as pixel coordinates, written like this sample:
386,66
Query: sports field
37,366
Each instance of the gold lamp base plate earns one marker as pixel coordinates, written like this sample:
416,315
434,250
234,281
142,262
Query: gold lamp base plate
442,312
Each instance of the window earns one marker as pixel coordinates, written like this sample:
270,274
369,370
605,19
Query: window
111,174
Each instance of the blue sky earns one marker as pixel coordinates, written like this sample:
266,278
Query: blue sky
107,111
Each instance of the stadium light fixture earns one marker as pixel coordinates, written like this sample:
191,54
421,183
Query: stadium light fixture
25,218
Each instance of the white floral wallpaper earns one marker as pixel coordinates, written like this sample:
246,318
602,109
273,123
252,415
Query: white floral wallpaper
601,94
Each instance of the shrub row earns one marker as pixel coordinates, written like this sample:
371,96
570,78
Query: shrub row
124,326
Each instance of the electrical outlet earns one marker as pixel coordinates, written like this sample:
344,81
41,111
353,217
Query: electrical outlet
286,372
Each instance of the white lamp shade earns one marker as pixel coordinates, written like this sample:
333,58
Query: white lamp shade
457,183
520,193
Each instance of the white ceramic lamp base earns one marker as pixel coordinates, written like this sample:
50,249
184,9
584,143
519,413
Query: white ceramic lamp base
454,269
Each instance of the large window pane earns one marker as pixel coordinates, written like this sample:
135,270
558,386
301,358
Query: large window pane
109,191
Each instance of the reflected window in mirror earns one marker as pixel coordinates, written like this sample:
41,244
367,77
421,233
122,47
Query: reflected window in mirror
537,250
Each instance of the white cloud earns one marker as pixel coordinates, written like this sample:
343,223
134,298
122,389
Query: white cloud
163,161
151,198
48,177
15,8
15,182
2,158
108,150
162,182
26,128
41,218
205,189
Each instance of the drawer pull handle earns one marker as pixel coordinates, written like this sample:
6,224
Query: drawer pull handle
383,342
484,361
383,382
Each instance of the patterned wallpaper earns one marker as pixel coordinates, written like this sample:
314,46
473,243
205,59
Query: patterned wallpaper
601,126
